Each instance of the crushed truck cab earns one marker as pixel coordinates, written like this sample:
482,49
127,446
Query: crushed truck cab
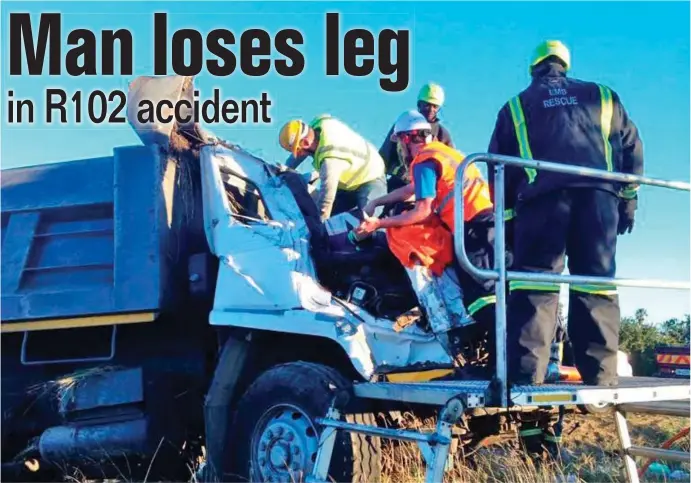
268,278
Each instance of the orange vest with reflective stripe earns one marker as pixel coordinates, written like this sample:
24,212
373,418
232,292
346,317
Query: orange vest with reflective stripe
430,243
476,197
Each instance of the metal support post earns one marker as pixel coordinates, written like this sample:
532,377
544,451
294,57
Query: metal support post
625,442
327,440
500,289
436,456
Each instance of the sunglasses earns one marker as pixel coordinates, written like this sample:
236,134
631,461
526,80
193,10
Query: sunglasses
415,137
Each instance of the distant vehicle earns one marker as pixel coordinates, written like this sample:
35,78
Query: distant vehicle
672,361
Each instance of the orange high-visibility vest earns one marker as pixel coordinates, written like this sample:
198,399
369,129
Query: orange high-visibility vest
476,197
430,243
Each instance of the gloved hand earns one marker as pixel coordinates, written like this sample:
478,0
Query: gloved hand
627,211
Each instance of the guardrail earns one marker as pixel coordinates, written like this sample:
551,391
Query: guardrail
500,275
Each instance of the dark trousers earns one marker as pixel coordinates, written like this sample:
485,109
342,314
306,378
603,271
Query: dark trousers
358,198
478,295
581,224
479,246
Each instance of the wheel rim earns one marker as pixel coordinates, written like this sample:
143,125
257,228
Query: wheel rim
284,445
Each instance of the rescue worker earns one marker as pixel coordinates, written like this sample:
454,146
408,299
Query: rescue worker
430,100
570,121
424,234
350,168
294,161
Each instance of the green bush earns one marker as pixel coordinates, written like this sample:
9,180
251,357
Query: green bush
638,338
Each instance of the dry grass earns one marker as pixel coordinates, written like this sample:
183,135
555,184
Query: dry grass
589,455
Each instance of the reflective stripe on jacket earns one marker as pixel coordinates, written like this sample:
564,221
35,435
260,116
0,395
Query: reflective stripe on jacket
337,140
568,121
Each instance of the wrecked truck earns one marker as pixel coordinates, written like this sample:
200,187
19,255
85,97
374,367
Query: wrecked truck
182,294
181,298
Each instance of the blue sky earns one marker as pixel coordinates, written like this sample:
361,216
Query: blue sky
477,51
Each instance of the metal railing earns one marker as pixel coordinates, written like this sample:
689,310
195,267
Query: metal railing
500,275
679,409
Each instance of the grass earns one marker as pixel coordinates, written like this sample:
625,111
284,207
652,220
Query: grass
589,454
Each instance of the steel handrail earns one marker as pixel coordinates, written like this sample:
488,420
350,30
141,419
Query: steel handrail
500,275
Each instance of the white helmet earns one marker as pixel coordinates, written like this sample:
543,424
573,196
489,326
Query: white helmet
411,121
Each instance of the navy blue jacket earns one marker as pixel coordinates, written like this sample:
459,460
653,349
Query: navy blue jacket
564,123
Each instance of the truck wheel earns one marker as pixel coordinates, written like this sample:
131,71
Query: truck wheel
601,408
274,437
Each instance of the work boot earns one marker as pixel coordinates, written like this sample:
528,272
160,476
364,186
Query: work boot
552,441
531,438
516,378
602,378
601,381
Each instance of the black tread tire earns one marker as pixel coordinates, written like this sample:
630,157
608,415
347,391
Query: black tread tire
356,457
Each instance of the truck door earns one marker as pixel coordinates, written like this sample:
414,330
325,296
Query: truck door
255,227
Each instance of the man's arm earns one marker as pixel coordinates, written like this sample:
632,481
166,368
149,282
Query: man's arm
632,146
425,176
632,162
503,142
330,173
421,211
399,194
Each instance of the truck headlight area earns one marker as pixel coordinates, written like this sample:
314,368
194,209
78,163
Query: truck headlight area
186,111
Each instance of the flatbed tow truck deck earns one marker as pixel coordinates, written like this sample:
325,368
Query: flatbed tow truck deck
453,398
476,393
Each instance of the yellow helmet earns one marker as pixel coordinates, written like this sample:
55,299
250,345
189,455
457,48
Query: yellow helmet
291,133
551,47
432,93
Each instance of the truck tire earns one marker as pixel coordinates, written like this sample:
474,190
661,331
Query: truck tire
602,408
274,424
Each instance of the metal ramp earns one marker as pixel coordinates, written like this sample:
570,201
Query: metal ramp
455,397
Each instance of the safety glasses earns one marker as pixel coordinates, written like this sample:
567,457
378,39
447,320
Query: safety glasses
415,137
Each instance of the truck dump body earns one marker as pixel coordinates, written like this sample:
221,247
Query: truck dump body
95,236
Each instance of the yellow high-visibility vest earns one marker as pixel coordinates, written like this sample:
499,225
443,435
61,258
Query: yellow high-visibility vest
337,140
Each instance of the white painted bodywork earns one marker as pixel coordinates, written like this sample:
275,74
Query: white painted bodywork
267,279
